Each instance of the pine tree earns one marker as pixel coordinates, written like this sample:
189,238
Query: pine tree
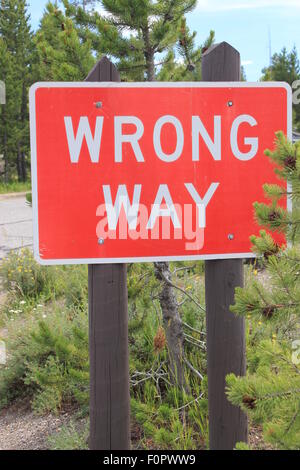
7,112
137,33
17,39
285,67
62,56
188,67
270,393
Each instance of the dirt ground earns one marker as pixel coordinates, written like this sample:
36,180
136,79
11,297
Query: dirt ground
20,429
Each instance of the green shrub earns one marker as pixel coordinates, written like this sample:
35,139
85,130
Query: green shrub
149,429
165,412
70,437
48,361
164,438
242,446
270,392
75,286
29,199
141,417
23,277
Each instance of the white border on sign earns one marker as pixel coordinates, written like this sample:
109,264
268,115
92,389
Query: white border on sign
32,110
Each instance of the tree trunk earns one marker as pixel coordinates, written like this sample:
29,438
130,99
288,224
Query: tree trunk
172,325
171,318
150,67
19,166
23,124
6,163
149,56
23,167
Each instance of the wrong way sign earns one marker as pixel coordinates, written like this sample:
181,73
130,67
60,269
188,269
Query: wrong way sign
148,172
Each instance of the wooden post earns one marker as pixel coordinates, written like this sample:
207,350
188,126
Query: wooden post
108,326
225,332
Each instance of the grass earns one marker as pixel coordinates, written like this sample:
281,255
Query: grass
15,187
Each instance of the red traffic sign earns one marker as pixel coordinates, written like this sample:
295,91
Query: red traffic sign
151,171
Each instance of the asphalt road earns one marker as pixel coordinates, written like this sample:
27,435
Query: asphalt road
15,224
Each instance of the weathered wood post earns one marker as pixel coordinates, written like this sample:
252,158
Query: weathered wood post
225,332
108,326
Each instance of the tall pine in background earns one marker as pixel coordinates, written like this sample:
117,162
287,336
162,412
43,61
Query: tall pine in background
143,37
285,67
62,55
7,113
270,393
17,53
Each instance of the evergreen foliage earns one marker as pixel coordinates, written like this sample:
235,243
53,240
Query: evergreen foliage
51,365
270,393
62,56
16,59
285,67
144,37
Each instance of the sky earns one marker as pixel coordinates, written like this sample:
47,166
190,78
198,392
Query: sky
253,27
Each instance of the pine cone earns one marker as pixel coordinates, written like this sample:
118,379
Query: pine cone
191,67
268,312
159,340
272,216
267,254
249,402
290,162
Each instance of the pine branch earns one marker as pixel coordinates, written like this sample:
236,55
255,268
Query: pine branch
170,283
